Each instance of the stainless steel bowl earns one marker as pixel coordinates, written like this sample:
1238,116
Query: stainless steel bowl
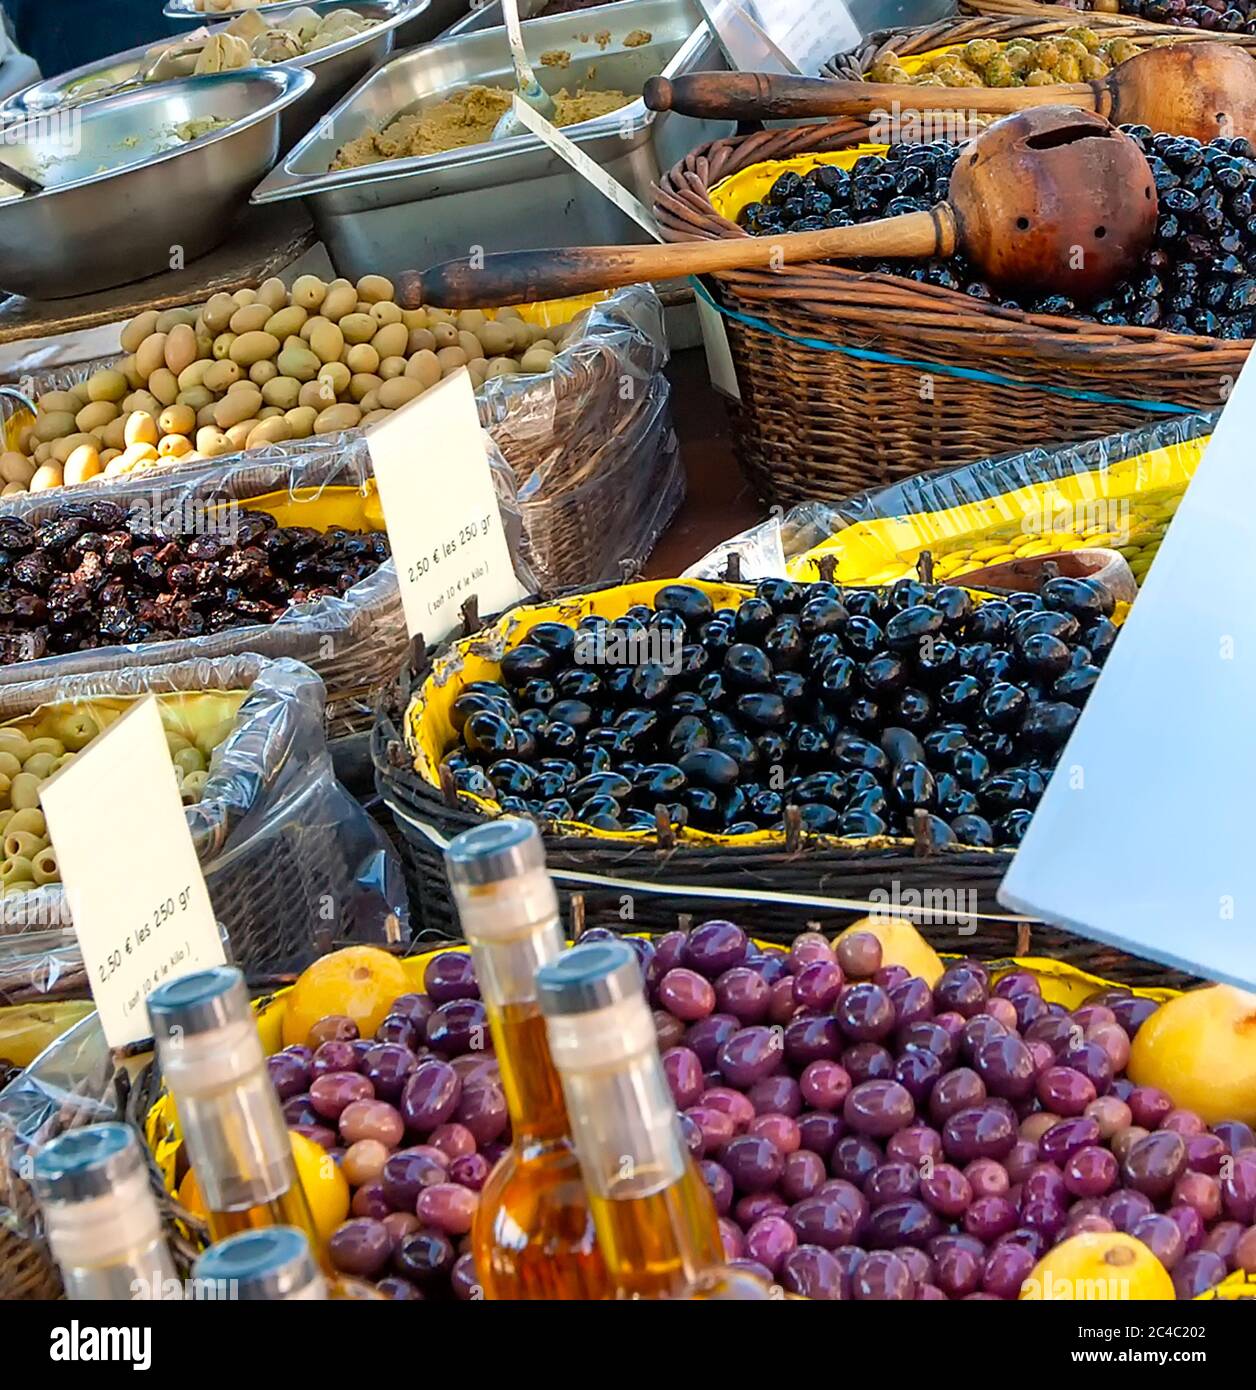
511,194
336,68
123,195
423,22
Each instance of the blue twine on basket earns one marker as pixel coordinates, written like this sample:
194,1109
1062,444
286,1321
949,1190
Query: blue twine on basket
939,368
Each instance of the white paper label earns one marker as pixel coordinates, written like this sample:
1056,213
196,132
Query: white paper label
719,355
809,32
610,188
141,911
444,523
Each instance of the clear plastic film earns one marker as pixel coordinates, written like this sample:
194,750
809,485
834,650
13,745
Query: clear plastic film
291,861
592,440
1117,493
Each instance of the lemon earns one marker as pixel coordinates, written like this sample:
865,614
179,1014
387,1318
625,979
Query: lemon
326,1188
360,982
1107,1267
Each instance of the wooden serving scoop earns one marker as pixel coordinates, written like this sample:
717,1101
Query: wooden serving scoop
1053,199
1198,89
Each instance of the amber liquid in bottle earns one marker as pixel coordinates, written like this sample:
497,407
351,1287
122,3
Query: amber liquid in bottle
288,1209
534,1235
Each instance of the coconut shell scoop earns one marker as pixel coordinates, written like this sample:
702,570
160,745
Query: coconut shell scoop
1052,199
1198,89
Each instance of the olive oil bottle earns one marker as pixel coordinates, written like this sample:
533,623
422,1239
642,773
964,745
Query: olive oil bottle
656,1222
211,1054
533,1236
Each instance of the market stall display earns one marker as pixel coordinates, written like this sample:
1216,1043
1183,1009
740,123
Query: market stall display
187,151
339,41
1171,16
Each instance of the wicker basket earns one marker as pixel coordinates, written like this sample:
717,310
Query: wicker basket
1003,20
819,425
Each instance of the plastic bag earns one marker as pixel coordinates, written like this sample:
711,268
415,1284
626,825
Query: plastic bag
291,861
1119,492
591,444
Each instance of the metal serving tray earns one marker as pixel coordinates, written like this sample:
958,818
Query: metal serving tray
336,68
423,22
509,195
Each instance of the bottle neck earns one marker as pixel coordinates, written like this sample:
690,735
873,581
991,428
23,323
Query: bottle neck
506,970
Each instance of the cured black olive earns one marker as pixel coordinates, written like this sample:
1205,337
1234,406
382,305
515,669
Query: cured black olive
810,744
593,806
884,674
907,629
1003,705
615,741
617,682
576,713
686,735
906,593
942,743
762,709
974,656
791,686
754,620
641,725
913,708
1044,656
533,720
514,805
695,660
747,668
902,746
560,767
1048,724
837,682
476,702
970,766
954,603
538,692
1025,603
689,702
935,833
703,806
712,688
1062,625
973,830
594,758
1000,666
526,662
487,732
861,601
824,646
862,825
912,785
1075,684
773,747
547,785
742,827
864,713
456,758
819,818
511,777
575,683
959,802
1003,792
474,780
556,638
991,622
766,806
1010,829
821,615
1084,598
687,602
820,786
708,767
853,751
601,820
783,595
635,819
716,636
658,782
557,737
784,643
1099,637
996,744
862,637
873,802
961,697
651,683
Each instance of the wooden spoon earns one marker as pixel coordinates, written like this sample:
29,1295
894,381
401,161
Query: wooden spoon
1198,89
1052,199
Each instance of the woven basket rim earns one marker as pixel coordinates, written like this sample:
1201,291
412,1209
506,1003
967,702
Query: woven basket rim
683,208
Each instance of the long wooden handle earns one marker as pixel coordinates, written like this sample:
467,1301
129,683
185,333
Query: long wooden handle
752,96
522,277
19,180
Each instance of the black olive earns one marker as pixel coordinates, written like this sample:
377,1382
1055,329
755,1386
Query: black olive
762,709
1034,779
1053,622
783,595
884,674
713,690
820,786
1100,636
941,745
475,781
708,767
456,758
784,644
819,818
703,806
1044,656
825,646
913,708
558,737
747,668
862,825
773,747
861,601
1048,724
853,751
640,724
958,801
991,622
974,656
576,683
937,660
594,758
913,786
651,683
538,692
1075,684
556,638
862,637
515,805
548,784
574,712
635,819
954,603
689,702
487,732
909,628
837,682
526,662
864,713
1003,792
716,636
617,682
1003,705
902,746
686,735
973,830
615,741
475,702
1082,597
999,666
754,620
971,766
533,720
872,801
687,601
1010,829
996,744
594,806
810,744
960,697
658,782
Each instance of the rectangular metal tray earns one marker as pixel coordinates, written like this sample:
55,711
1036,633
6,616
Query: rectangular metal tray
513,194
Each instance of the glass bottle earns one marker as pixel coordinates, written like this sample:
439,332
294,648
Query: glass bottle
656,1222
533,1236
274,1263
101,1217
211,1054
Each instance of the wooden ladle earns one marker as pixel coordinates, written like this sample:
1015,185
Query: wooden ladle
1198,89
1052,199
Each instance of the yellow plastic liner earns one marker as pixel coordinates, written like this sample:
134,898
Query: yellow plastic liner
751,185
1125,506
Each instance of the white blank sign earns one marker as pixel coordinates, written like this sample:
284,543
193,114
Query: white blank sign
1146,836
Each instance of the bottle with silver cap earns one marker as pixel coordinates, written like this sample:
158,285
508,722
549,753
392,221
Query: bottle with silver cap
212,1058
533,1235
275,1263
101,1217
656,1222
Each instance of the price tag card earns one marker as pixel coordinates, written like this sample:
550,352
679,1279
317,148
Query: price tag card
141,911
444,524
